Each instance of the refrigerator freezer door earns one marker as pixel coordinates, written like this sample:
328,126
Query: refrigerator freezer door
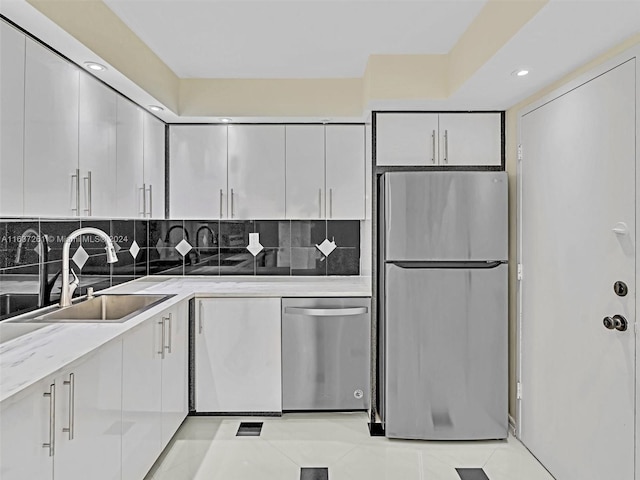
446,353
457,216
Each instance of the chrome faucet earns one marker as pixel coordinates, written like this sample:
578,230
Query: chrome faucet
67,290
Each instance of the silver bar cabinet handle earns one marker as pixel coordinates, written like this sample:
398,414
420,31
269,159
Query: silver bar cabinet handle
150,200
52,420
201,314
77,189
143,189
433,146
161,352
327,312
446,146
319,203
220,203
87,180
72,406
232,212
331,203
169,320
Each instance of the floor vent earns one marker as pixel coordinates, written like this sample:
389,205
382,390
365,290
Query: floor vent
249,429
314,473
472,474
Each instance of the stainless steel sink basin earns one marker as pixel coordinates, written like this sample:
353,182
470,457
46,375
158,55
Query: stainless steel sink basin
103,309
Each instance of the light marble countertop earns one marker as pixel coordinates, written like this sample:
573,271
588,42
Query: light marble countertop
32,352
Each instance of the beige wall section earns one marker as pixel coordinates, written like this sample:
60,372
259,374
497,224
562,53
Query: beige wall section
497,22
93,24
265,97
511,162
405,76
386,77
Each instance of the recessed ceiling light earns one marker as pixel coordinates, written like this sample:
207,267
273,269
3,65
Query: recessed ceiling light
96,67
155,108
520,72
225,120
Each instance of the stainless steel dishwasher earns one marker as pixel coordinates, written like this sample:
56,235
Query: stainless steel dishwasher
326,353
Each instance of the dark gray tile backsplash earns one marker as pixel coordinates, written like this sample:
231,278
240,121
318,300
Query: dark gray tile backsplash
148,247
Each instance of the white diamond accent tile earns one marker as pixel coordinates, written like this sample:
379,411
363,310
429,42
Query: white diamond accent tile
183,247
38,248
134,249
116,247
80,257
326,247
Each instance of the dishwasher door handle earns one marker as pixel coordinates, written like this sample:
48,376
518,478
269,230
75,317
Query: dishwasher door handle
326,312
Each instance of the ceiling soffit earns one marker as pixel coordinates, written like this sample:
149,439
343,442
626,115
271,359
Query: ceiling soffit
386,77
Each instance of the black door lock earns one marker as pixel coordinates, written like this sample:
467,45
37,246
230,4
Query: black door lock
620,288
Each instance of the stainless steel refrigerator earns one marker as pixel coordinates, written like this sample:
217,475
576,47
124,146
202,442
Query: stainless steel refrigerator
443,305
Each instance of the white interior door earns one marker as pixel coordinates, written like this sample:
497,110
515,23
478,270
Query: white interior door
578,185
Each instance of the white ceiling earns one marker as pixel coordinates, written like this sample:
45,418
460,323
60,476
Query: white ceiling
294,38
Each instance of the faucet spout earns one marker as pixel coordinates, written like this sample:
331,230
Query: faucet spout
67,290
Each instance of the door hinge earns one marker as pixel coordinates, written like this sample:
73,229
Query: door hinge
519,271
520,152
518,391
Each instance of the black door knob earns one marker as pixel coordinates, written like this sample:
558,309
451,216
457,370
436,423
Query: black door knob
620,323
609,324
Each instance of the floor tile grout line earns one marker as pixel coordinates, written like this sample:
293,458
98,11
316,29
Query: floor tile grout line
489,459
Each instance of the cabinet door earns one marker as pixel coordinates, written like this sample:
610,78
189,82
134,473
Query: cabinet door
305,171
238,355
129,170
97,148
175,385
198,166
409,139
154,166
345,171
470,139
88,417
12,50
25,427
256,169
141,398
51,134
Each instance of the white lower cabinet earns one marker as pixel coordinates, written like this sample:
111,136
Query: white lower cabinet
24,428
67,426
238,355
154,388
175,367
88,409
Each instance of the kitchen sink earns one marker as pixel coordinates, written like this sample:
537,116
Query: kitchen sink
13,303
102,309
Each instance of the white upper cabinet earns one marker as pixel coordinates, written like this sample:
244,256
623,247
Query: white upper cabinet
345,171
154,166
97,148
12,52
51,134
445,139
470,139
198,171
406,139
256,171
305,172
129,152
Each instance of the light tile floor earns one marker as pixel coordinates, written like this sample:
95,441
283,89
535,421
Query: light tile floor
206,448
